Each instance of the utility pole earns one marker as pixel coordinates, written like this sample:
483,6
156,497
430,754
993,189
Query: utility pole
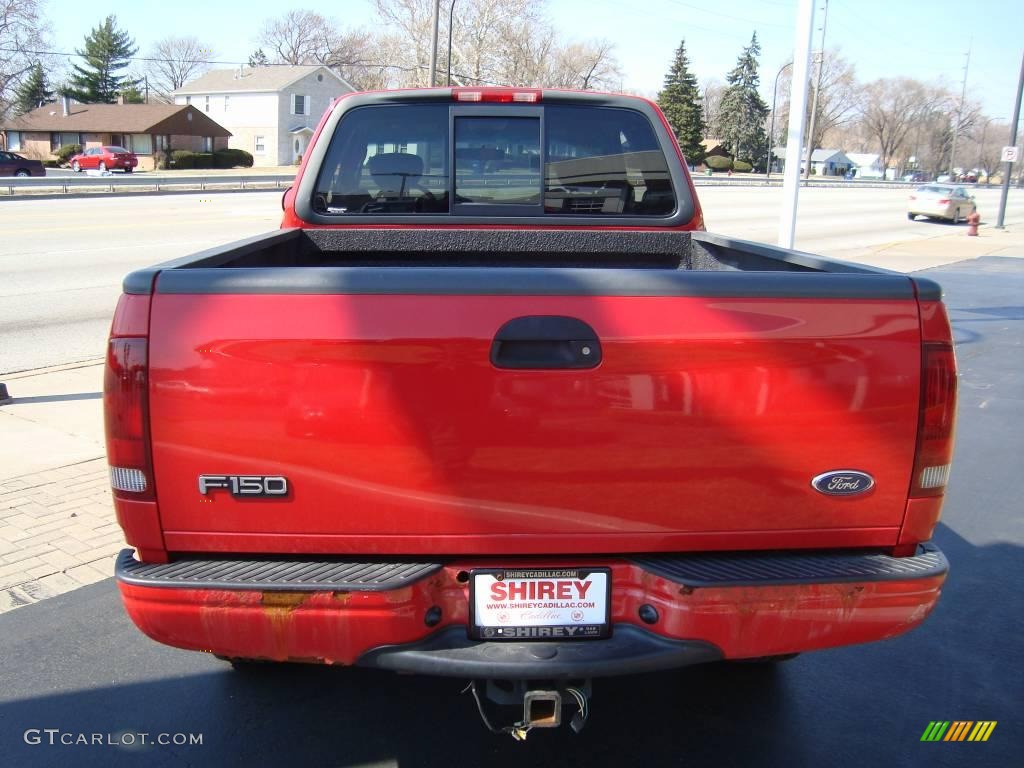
1008,167
797,110
959,115
433,45
451,27
814,102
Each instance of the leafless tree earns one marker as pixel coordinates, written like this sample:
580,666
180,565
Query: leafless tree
711,90
930,140
839,98
22,30
526,56
984,146
505,42
585,66
300,36
176,61
890,110
410,21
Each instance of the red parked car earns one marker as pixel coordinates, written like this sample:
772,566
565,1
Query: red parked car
105,159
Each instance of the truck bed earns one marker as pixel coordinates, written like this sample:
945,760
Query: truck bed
629,250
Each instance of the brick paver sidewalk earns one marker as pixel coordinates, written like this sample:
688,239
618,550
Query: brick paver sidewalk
57,532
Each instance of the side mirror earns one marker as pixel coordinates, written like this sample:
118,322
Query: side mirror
284,198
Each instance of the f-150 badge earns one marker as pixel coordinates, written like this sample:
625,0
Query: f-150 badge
843,482
247,486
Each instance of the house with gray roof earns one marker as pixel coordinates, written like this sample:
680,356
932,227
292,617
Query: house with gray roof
271,111
824,162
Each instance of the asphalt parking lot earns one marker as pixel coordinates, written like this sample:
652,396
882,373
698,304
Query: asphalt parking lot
75,662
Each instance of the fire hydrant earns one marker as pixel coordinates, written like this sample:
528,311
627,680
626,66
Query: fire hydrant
972,224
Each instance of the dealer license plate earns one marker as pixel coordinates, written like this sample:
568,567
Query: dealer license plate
540,603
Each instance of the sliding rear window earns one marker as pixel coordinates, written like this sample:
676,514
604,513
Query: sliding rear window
555,160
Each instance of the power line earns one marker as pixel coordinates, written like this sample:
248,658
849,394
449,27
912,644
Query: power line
157,58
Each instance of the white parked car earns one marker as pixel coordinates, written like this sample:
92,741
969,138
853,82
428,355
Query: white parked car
940,201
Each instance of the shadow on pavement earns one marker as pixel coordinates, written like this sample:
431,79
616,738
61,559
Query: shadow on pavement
56,398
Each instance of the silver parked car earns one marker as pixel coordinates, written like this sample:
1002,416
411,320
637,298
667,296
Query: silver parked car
941,201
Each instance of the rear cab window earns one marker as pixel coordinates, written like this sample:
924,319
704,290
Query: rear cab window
548,161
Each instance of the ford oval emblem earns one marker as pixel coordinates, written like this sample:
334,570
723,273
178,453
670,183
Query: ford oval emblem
843,482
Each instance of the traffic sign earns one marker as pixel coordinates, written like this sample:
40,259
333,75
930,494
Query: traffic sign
1010,155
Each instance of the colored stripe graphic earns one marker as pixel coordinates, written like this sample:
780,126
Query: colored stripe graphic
935,730
959,730
982,730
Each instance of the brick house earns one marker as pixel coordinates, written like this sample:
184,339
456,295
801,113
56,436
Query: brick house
271,111
144,129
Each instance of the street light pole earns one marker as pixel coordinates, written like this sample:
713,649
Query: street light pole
771,129
1013,143
959,117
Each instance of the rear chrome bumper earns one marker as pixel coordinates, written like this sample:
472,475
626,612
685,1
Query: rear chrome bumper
412,616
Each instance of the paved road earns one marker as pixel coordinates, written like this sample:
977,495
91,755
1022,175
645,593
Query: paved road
62,260
76,664
842,222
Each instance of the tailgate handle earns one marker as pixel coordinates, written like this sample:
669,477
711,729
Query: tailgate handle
546,342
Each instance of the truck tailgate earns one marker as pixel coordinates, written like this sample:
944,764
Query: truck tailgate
701,428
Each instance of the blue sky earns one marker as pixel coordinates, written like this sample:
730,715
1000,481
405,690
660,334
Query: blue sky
882,38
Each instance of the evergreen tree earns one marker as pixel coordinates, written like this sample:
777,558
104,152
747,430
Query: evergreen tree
133,94
107,51
742,111
33,92
680,100
258,58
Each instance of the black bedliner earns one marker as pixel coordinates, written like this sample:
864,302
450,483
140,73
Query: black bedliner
537,262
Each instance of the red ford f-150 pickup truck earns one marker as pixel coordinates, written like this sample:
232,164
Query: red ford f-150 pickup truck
493,405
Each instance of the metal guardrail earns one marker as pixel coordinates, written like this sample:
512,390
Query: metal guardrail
111,183
702,180
116,181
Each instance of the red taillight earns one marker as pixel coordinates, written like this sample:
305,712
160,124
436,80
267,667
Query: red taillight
937,419
125,408
944,201
498,95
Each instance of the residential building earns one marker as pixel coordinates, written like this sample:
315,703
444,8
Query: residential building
866,165
145,129
824,162
271,111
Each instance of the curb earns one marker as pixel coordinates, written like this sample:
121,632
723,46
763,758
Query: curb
27,373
